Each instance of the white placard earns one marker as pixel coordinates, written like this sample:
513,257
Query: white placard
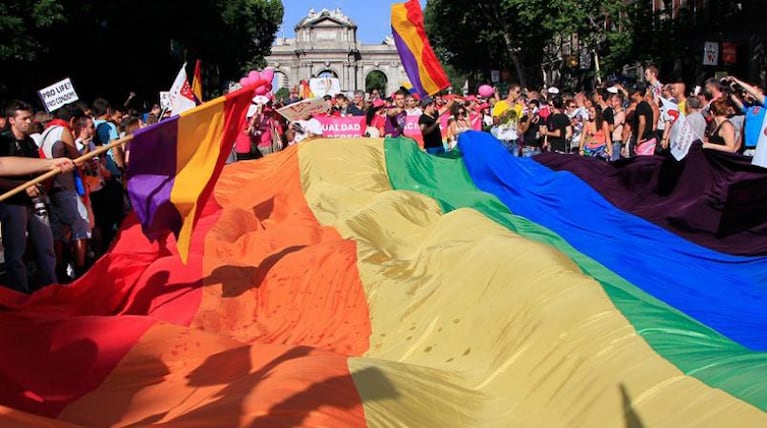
57,95
322,86
680,146
299,110
495,76
165,99
711,53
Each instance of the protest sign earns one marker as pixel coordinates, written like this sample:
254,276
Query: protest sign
165,100
299,110
322,86
342,127
57,95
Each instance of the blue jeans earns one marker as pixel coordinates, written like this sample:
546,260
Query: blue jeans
16,221
435,150
512,146
528,152
616,150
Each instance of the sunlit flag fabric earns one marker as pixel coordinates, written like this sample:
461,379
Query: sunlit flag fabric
181,95
362,282
418,59
174,164
197,82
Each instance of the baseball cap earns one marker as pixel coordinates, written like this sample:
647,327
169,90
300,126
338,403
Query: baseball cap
553,90
612,90
426,101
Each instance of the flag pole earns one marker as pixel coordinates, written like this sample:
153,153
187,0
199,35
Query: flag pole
52,173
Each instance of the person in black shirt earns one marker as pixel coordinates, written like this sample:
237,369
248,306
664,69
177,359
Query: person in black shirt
429,124
558,129
529,127
642,125
27,211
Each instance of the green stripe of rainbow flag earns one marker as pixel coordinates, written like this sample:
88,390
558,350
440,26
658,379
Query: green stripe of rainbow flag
363,283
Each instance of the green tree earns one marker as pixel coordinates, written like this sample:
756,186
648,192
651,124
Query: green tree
22,22
479,36
375,80
111,48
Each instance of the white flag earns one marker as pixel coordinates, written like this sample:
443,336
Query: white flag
181,97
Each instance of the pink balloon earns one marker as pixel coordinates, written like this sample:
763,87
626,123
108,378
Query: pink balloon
486,91
261,90
244,81
254,76
268,74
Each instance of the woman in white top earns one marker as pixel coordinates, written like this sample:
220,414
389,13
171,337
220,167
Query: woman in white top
459,123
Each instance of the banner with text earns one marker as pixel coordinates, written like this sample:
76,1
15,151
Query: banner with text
301,109
57,95
342,127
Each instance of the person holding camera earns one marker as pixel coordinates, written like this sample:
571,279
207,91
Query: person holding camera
752,104
26,212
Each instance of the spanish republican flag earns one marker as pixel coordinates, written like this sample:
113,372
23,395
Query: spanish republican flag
175,163
418,59
197,82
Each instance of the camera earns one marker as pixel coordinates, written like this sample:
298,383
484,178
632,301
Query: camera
41,205
729,85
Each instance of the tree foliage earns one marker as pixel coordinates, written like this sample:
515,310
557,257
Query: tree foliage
110,48
494,34
23,24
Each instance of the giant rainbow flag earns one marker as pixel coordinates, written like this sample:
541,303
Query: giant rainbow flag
352,283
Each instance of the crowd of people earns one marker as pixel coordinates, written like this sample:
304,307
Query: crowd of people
52,232
612,121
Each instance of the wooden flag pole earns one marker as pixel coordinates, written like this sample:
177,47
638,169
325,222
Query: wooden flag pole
50,174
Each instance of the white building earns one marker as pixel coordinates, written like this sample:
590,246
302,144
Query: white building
326,46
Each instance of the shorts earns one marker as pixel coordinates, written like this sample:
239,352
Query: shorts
68,211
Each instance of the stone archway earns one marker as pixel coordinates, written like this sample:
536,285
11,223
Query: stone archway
327,73
377,79
280,81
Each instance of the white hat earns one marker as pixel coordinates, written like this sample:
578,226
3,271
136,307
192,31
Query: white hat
260,99
553,90
612,90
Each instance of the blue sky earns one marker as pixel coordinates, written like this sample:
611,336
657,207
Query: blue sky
371,16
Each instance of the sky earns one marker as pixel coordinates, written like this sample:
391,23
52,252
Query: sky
371,16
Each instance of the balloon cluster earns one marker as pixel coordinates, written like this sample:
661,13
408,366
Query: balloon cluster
265,77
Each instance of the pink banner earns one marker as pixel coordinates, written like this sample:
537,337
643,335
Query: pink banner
342,127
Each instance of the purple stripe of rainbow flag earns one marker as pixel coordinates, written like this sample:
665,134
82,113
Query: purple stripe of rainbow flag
418,59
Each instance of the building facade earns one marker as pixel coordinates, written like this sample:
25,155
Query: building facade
326,45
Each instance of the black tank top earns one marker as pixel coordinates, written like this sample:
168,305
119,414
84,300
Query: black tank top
715,138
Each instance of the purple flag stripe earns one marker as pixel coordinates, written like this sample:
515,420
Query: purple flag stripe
152,172
409,63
